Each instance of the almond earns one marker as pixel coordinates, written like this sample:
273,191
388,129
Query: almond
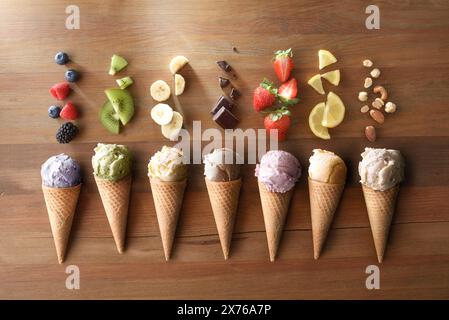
377,116
370,133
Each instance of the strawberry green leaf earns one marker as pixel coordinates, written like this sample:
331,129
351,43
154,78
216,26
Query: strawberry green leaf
283,53
288,102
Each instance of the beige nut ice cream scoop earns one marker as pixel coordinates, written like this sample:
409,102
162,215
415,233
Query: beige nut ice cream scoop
222,165
381,169
326,166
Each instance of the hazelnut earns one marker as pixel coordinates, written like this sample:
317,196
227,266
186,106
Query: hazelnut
364,109
368,82
363,96
390,107
375,73
367,63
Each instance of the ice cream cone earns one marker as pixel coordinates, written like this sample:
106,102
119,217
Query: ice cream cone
224,198
167,197
275,208
115,198
324,199
380,206
61,205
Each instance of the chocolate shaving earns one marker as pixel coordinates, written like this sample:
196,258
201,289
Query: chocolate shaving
224,65
223,82
235,94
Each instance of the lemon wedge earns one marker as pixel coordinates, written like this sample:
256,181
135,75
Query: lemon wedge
326,58
315,119
334,111
315,83
332,76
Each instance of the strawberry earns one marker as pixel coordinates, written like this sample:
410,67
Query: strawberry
69,112
280,120
60,90
288,91
264,96
283,64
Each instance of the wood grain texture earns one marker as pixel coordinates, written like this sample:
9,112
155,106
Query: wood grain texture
411,49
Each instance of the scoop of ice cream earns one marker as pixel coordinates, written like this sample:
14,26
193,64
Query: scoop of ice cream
111,161
278,171
167,165
221,165
326,166
381,169
60,171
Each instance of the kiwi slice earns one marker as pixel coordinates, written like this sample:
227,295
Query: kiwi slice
125,82
122,102
117,64
109,118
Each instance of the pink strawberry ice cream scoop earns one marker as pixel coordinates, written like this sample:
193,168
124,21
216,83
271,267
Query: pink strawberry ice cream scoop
278,171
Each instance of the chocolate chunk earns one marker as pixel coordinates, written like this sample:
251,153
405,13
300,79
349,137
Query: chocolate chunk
235,94
222,102
223,82
224,65
235,50
225,118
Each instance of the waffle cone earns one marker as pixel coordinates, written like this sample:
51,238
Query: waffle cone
167,198
61,205
224,198
380,206
275,208
324,199
115,198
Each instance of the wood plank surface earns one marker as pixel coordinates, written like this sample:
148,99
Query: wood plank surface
411,49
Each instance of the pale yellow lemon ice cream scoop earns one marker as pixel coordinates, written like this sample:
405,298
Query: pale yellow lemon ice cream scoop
326,166
167,165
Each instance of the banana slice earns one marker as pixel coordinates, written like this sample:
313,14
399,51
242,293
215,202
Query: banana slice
160,91
171,130
162,114
177,63
180,84
326,58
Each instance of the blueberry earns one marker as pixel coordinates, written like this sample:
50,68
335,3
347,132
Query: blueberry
72,75
54,111
61,58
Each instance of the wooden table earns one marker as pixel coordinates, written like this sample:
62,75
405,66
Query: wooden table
411,49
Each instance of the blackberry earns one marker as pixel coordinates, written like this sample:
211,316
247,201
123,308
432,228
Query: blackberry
66,132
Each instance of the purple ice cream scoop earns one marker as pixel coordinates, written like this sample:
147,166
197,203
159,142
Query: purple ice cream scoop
61,171
278,171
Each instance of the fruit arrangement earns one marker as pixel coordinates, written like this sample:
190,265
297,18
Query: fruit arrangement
328,114
118,110
60,91
171,121
275,102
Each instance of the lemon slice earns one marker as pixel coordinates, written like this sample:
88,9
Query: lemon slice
326,58
332,76
315,83
315,119
334,111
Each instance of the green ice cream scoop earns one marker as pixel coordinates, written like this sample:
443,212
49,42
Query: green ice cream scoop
111,161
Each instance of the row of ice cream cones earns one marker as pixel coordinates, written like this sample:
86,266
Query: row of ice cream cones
224,197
